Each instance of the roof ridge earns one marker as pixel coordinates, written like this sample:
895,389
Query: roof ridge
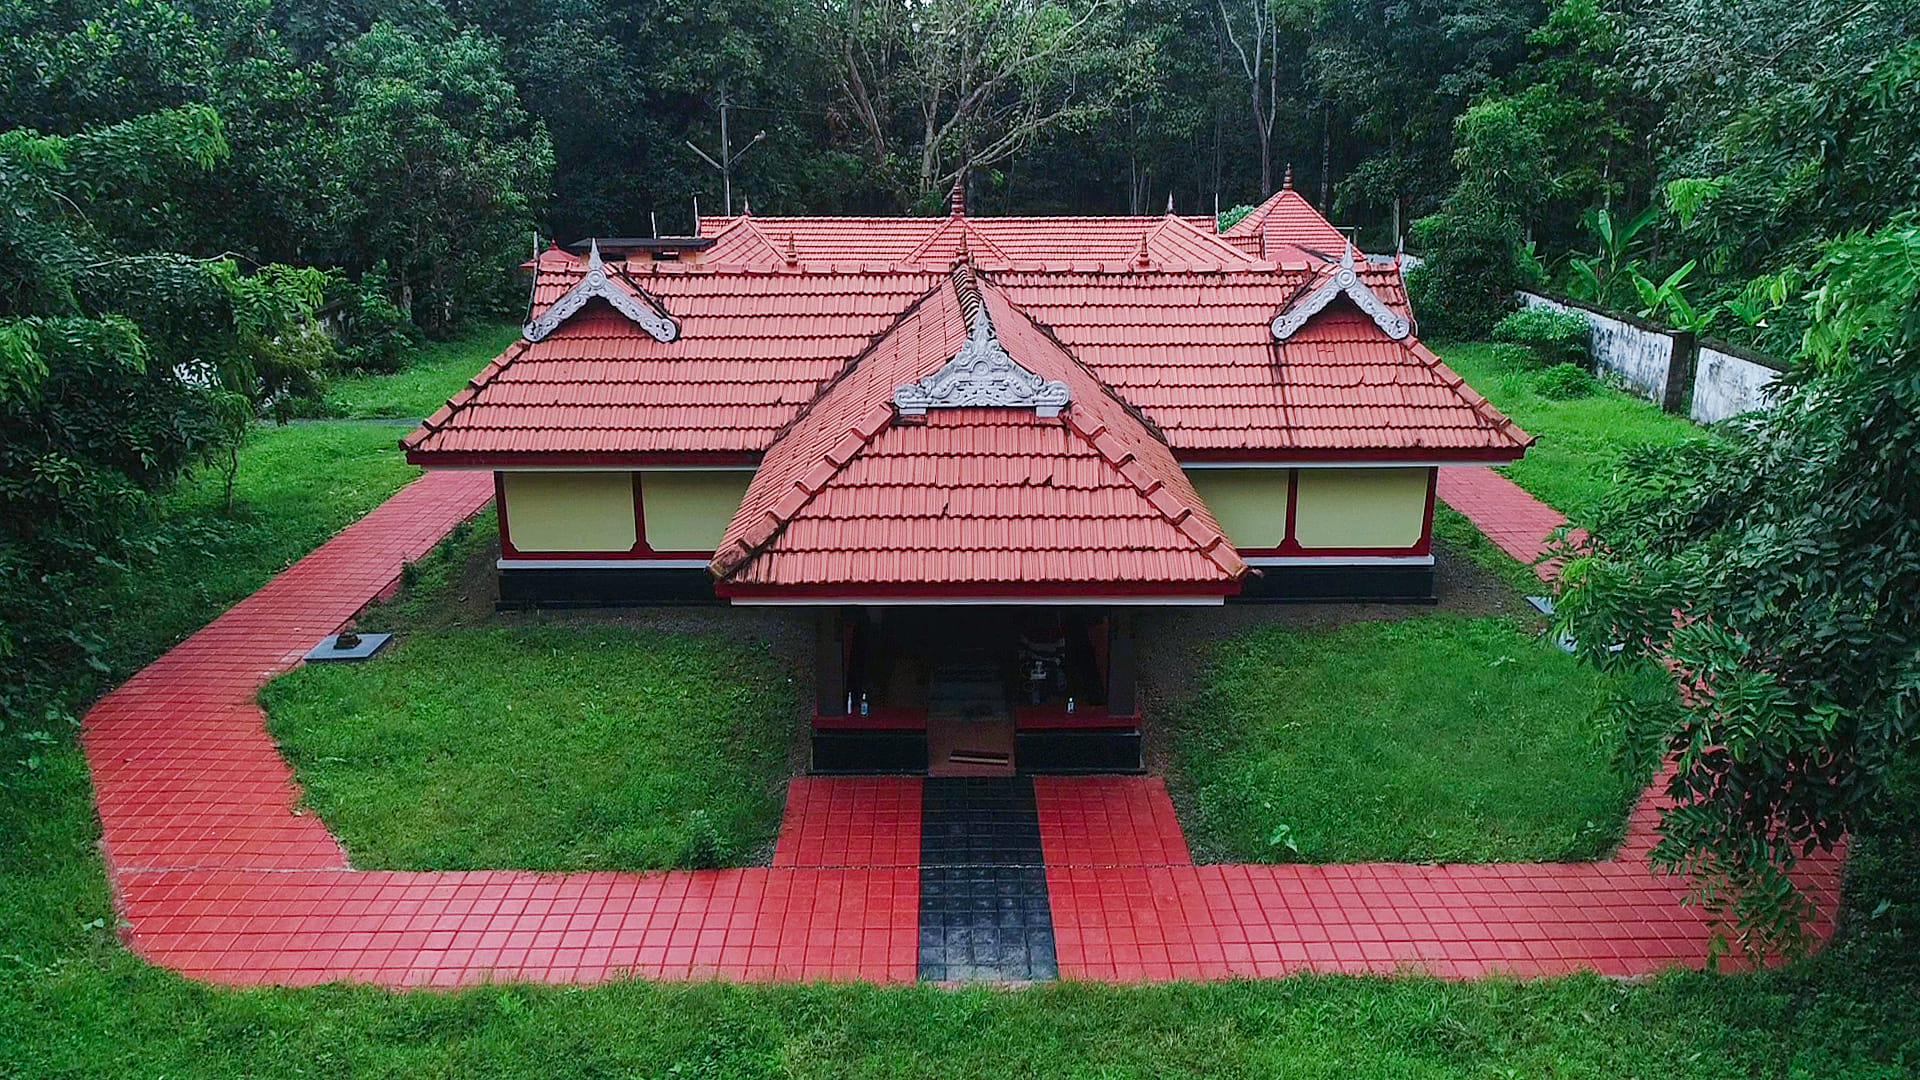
1124,461
1184,518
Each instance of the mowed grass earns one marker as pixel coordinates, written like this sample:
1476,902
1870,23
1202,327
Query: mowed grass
430,377
542,747
1580,439
74,1003
1428,739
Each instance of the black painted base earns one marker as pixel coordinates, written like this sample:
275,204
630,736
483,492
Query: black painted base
1328,584
604,588
1078,752
869,752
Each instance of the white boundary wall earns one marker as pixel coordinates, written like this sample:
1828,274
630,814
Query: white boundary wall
1642,357
1726,385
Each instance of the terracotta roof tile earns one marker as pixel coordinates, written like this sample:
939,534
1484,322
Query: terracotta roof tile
970,497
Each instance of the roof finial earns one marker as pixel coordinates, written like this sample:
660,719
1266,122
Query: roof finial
1346,256
1169,203
696,215
1287,184
746,207
957,199
593,255
1142,257
793,252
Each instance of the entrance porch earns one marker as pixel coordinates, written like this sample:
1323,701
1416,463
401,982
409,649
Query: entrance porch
988,690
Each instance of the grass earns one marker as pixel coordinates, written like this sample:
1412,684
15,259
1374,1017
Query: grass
544,747
1437,739
427,381
1580,439
75,1004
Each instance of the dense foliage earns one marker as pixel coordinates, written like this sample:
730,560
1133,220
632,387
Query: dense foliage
1777,574
117,370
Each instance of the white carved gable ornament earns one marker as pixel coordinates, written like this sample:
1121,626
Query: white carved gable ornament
982,375
599,283
1345,281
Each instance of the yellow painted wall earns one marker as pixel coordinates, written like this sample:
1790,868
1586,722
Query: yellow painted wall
1250,504
689,510
569,511
1360,508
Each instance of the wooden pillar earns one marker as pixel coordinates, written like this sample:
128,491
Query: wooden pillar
1120,663
829,664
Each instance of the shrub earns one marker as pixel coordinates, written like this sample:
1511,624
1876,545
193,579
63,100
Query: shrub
1563,381
1509,355
1558,337
1475,260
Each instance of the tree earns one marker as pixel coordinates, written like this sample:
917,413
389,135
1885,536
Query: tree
1776,576
117,371
940,87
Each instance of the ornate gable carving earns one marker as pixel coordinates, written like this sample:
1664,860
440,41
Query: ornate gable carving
982,375
1343,282
599,283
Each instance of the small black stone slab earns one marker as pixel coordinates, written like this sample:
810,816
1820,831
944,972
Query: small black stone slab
329,648
984,910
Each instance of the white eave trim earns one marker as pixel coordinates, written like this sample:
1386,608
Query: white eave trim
1338,560
599,284
979,601
600,564
1344,282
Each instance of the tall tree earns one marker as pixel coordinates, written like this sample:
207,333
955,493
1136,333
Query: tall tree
942,86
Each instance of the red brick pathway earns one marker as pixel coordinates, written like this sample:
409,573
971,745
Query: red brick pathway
1127,920
1515,521
219,875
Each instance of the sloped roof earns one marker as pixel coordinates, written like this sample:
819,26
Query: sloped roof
1192,348
1172,242
752,350
999,500
1285,221
1196,354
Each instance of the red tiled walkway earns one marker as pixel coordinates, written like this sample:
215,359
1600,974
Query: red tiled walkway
220,876
1124,921
1515,521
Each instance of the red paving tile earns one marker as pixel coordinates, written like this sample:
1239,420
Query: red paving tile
219,875
1515,521
850,821
1117,916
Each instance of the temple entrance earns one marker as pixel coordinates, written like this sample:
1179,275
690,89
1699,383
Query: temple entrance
975,690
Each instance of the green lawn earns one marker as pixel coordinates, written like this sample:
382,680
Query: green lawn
542,747
75,1004
1580,440
1429,739
427,381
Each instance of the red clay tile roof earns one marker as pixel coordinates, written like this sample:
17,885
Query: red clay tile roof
753,349
1034,243
993,499
1191,349
1283,223
1195,353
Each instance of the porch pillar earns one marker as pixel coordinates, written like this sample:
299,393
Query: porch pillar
829,664
1120,664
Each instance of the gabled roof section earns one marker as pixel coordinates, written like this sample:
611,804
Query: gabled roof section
982,375
1195,353
970,501
600,283
599,391
1283,222
1339,281
1050,243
